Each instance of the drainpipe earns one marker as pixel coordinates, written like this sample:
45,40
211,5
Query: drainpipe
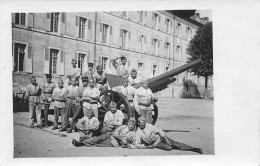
95,41
173,50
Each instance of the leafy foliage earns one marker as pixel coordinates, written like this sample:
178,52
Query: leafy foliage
201,46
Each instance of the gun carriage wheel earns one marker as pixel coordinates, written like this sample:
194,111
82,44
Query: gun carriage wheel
154,114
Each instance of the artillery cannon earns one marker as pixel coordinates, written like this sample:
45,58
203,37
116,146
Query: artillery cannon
156,84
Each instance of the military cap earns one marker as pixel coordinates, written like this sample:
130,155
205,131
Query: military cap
99,67
48,76
132,120
112,104
133,70
60,80
141,118
73,61
90,64
32,77
124,79
122,106
123,57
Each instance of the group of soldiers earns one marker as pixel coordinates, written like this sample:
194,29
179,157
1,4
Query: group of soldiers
117,128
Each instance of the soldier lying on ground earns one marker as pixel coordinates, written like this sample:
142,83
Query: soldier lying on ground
149,137
123,136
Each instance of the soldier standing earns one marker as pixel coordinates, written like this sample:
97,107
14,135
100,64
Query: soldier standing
89,74
33,93
71,100
74,72
47,90
78,106
142,101
128,91
133,79
60,96
90,98
100,78
120,66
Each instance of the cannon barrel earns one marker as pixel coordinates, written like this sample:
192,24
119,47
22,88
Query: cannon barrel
160,82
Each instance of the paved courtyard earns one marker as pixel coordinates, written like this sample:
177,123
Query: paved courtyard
190,121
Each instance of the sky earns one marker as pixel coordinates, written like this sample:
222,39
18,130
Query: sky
205,13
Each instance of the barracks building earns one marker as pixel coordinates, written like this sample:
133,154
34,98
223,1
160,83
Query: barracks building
153,42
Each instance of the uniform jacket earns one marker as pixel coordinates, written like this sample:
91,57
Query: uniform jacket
115,119
60,96
33,93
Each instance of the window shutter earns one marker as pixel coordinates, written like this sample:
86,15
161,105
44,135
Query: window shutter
165,20
145,13
60,63
77,21
128,63
63,17
171,23
144,39
30,20
89,24
129,35
109,62
159,18
111,30
152,41
76,56
121,32
46,69
153,16
101,27
28,60
140,38
29,51
13,17
158,43
48,22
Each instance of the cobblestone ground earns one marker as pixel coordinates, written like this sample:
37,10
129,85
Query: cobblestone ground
189,121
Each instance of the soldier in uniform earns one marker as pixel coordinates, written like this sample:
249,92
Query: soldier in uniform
90,98
89,74
78,105
71,100
33,94
100,78
128,91
47,90
87,125
149,137
133,79
74,72
59,97
142,101
123,136
120,66
113,119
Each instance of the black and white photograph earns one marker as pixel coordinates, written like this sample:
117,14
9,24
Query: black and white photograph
130,82
124,83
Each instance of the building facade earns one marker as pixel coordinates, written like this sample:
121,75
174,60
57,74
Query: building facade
153,42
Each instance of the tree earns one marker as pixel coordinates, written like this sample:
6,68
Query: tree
201,46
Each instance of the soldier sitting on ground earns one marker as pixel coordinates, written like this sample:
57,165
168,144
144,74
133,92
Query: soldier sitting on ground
87,125
123,136
149,137
113,119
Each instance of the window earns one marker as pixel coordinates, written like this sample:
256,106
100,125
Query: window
167,25
178,29
140,66
142,43
81,59
54,22
105,34
167,68
19,55
53,61
155,70
82,27
20,18
124,38
178,49
156,20
156,44
104,61
141,15
167,47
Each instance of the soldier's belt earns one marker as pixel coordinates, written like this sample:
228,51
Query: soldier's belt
146,105
91,102
47,92
34,95
71,98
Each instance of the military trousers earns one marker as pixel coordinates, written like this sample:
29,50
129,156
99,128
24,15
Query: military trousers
34,109
64,117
